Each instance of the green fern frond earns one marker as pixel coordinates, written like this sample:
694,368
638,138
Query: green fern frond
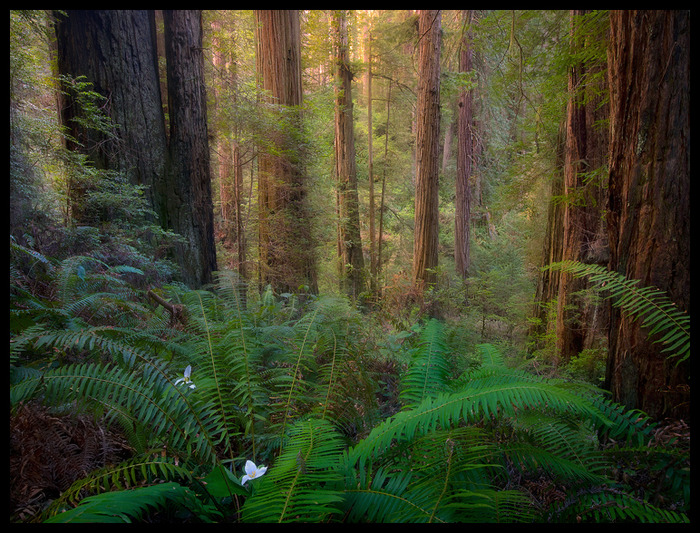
490,356
609,505
148,397
491,398
303,483
444,476
430,367
127,506
649,305
131,473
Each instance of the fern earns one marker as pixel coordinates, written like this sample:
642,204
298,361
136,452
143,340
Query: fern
303,484
443,476
429,370
610,505
148,397
657,313
492,398
128,474
128,505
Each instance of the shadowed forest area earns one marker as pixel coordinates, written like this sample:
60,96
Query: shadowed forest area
340,266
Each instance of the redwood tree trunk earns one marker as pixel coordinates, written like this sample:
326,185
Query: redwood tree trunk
287,258
425,243
116,51
581,322
464,157
649,207
189,209
351,257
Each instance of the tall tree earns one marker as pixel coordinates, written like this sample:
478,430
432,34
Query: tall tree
370,164
351,257
229,167
425,242
649,196
581,321
287,255
189,209
116,51
464,155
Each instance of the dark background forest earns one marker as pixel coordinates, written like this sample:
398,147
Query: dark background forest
426,266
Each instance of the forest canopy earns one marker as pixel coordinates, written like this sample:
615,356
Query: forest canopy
349,266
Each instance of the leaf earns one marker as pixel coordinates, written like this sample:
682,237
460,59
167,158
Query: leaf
221,483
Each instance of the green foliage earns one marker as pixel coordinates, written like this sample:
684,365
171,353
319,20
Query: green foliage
270,382
430,367
664,322
130,505
304,484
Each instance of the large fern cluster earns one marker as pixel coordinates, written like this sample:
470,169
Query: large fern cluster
281,383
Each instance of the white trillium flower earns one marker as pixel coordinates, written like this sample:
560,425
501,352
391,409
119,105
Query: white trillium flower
186,378
252,471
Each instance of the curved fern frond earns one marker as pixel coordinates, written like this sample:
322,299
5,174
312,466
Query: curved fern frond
657,313
491,398
303,484
127,506
445,476
429,370
148,397
130,473
610,505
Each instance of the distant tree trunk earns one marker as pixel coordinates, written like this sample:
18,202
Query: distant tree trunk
189,201
649,202
351,256
230,171
464,156
116,51
580,321
287,255
425,242
380,237
370,171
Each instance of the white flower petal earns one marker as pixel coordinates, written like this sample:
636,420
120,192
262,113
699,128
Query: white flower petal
250,467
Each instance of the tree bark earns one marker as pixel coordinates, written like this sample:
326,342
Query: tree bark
228,156
425,243
464,156
189,210
351,257
370,170
116,51
287,255
581,322
649,206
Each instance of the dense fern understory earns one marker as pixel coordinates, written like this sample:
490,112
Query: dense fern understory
107,425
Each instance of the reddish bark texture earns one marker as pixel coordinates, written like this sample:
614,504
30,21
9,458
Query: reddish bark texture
649,206
425,244
286,251
581,322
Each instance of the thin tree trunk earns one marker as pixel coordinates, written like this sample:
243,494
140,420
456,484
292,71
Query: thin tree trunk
425,243
346,169
380,243
464,157
370,170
